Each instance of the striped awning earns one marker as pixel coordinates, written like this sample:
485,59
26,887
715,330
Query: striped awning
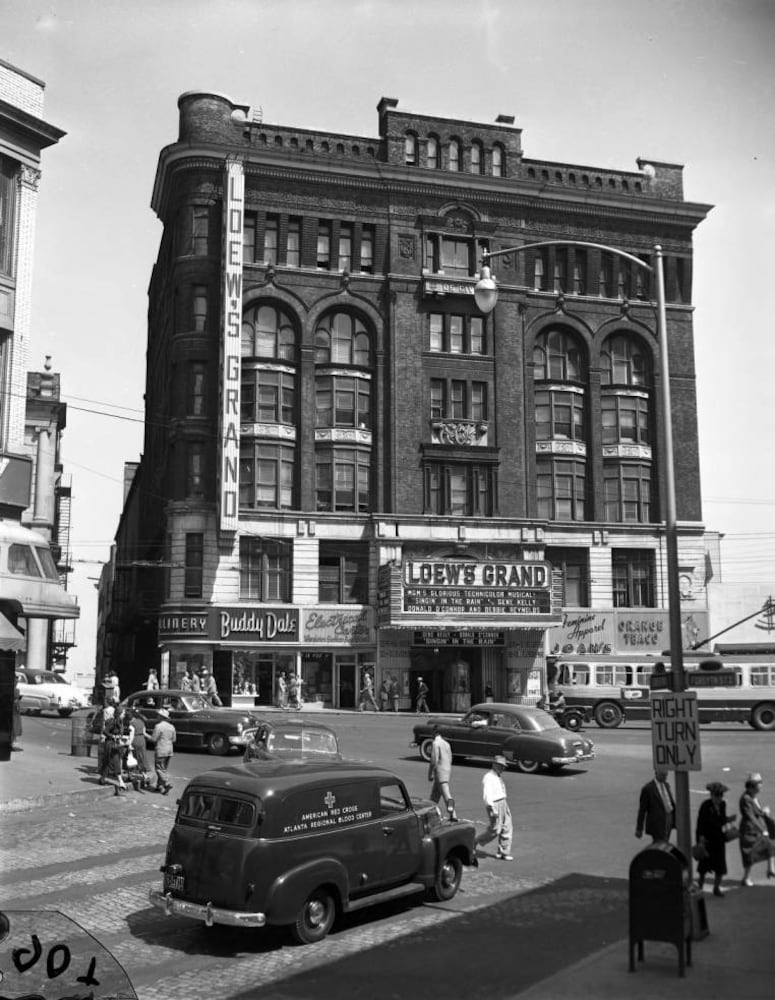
10,637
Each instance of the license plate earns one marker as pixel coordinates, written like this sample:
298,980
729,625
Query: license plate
174,883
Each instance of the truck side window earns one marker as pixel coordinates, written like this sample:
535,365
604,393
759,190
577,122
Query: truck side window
392,799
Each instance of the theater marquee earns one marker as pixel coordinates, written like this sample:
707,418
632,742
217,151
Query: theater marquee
461,593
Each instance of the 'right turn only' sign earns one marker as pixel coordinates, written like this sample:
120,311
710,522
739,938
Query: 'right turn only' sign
675,731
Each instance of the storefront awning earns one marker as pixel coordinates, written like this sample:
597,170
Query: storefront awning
10,637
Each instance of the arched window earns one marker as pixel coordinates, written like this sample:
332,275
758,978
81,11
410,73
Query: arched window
433,152
267,332
477,158
624,361
557,356
453,162
410,149
497,161
342,339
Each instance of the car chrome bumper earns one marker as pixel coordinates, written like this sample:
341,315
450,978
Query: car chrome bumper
208,913
574,759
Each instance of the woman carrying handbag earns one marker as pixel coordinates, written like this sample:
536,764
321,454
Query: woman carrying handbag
712,835
756,830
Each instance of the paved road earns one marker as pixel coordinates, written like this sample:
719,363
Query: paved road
97,860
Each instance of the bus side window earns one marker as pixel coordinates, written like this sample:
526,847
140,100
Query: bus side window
623,676
643,674
581,674
604,675
563,673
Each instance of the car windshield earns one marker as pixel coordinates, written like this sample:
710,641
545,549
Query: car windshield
302,742
193,703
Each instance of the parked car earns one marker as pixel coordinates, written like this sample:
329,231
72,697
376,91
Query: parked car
47,691
295,844
293,740
528,738
198,723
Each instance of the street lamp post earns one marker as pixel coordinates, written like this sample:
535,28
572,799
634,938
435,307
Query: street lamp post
486,295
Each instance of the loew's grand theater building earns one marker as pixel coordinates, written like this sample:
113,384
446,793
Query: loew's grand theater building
348,467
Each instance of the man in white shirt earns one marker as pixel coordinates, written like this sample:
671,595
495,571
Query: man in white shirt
498,812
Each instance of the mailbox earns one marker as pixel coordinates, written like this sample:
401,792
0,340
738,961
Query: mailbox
661,902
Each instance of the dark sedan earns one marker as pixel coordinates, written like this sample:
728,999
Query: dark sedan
198,723
528,738
288,739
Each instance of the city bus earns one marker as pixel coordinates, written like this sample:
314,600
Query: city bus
614,689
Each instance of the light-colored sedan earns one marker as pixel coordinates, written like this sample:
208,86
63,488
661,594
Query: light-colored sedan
528,738
47,691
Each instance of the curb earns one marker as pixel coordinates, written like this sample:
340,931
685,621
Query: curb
53,799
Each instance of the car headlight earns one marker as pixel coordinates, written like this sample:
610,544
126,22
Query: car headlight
239,728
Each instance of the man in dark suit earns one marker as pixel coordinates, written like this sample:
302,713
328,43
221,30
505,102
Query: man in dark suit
656,810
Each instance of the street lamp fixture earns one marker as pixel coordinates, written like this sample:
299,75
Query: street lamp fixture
486,296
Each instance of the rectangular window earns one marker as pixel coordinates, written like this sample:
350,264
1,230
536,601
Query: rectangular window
267,396
478,400
323,257
457,399
342,401
633,578
367,250
293,251
266,475
342,480
249,238
345,248
265,569
438,398
625,419
195,470
194,564
559,415
200,225
560,489
573,563
200,308
455,334
343,573
456,257
271,236
627,492
539,276
8,171
459,488
197,384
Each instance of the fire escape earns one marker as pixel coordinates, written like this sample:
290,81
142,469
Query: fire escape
63,629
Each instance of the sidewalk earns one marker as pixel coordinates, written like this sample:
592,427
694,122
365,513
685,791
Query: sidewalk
737,958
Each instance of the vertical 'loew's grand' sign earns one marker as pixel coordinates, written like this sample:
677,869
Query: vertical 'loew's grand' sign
228,465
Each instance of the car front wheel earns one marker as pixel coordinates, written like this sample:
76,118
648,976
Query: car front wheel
447,879
316,917
217,744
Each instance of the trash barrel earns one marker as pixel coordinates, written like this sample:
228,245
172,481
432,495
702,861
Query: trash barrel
661,902
80,740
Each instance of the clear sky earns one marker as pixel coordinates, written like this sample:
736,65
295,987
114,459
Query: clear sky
594,82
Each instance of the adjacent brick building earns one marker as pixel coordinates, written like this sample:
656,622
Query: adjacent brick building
348,468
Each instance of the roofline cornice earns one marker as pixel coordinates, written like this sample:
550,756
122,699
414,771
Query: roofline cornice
383,177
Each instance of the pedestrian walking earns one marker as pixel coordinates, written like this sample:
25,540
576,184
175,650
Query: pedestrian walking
440,771
282,691
210,688
110,737
656,809
138,748
18,729
367,700
152,683
757,830
384,696
115,689
395,694
500,826
711,836
421,704
294,693
163,739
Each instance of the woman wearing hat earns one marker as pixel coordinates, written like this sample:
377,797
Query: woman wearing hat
711,820
756,830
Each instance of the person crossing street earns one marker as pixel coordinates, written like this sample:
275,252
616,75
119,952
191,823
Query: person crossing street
498,812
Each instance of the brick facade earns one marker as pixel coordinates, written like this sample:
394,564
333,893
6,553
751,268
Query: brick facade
381,232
